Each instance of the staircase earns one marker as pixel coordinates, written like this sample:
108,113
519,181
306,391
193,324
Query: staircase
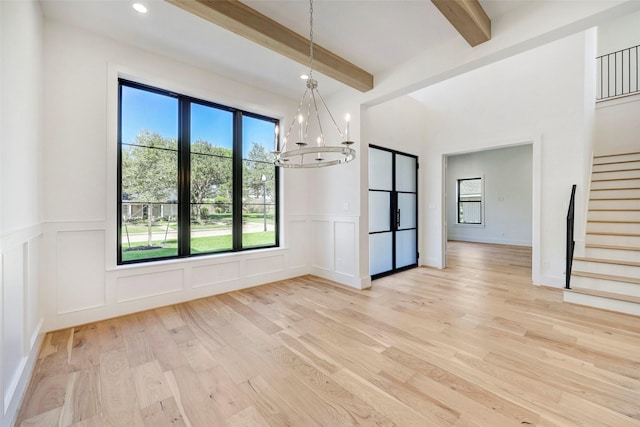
608,275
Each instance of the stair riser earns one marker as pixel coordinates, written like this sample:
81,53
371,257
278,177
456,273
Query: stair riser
614,227
604,303
605,285
616,175
617,166
614,204
632,193
633,241
619,255
627,183
609,159
610,269
614,215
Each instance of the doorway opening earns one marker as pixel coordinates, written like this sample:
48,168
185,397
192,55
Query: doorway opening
489,198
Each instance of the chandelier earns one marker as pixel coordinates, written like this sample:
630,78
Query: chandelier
308,152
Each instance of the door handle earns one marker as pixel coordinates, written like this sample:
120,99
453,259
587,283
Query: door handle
398,219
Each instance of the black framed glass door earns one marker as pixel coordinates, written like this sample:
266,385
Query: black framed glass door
393,211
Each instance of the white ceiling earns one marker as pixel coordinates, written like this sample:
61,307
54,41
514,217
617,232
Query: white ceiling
373,34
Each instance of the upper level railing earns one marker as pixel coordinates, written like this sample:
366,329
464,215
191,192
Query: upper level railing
617,73
571,244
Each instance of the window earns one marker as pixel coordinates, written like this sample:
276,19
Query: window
470,201
193,177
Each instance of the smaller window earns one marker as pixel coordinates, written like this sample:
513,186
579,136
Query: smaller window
470,201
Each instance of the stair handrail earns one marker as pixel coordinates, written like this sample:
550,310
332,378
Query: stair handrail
570,241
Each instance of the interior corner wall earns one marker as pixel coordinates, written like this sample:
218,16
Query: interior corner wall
334,206
507,195
21,32
534,96
81,279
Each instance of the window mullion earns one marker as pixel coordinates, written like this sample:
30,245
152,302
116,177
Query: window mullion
237,181
184,178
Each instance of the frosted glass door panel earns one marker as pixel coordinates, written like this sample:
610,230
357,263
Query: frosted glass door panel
380,253
407,207
379,211
405,173
406,251
380,170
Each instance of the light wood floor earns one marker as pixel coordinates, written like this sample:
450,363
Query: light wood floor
473,345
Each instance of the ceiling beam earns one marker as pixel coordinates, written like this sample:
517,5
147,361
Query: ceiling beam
251,24
468,17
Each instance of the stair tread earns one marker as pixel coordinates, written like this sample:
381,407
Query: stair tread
603,294
619,162
618,248
617,170
615,221
607,261
612,233
616,179
613,198
613,210
615,189
606,277
600,156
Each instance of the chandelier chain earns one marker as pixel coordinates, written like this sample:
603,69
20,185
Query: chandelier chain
316,154
310,38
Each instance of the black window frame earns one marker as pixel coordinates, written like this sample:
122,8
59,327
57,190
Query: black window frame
458,201
184,177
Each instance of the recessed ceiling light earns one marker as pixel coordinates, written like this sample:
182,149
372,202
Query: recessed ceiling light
140,8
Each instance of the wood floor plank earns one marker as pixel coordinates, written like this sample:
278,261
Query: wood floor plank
118,398
273,406
163,413
475,345
198,409
248,417
151,386
82,396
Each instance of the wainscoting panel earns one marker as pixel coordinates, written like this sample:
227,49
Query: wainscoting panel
298,243
322,244
32,289
149,285
80,270
20,315
344,237
13,317
259,266
208,275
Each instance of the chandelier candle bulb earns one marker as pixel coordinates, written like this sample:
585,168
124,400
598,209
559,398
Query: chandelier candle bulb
300,120
347,118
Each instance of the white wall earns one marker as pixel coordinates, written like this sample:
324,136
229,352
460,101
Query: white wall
617,126
81,278
507,175
20,195
537,96
619,33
